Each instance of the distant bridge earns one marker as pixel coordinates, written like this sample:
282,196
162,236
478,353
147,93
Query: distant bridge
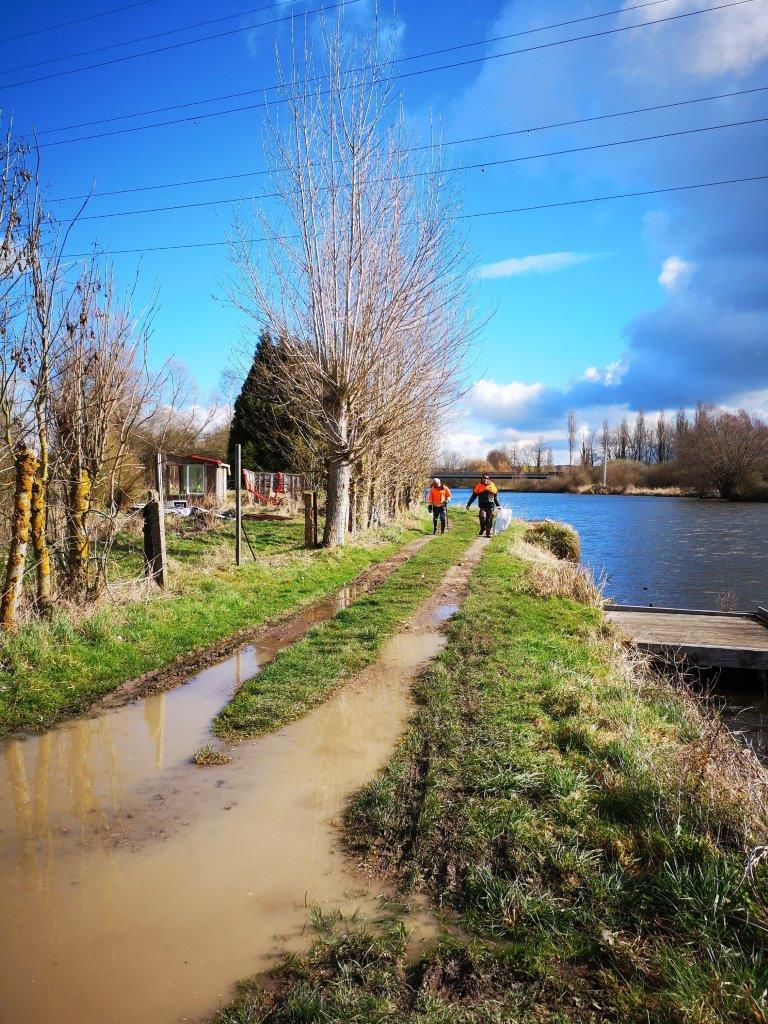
454,475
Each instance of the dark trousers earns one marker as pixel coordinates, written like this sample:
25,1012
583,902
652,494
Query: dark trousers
439,515
486,519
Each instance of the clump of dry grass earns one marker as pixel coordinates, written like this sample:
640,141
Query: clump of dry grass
549,576
208,756
559,538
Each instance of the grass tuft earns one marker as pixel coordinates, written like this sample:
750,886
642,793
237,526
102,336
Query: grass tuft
208,756
559,538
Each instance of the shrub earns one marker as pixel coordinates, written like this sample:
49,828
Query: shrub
559,538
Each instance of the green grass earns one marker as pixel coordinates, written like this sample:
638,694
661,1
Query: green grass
304,674
51,670
580,830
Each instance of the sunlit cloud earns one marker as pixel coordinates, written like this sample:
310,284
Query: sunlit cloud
675,273
543,263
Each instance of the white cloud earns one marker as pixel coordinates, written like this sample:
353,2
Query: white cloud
729,41
675,273
544,263
512,398
591,373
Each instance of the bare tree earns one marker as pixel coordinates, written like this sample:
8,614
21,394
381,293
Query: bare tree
363,277
663,438
640,437
726,452
573,428
102,395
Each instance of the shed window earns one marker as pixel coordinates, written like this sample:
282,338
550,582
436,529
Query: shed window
194,479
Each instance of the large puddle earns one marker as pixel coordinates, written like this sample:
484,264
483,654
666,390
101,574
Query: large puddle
137,888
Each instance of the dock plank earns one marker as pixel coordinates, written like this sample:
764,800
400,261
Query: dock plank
705,638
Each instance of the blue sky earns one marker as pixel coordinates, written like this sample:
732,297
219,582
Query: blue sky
604,307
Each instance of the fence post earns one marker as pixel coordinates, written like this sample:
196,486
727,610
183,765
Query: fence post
159,477
155,561
310,535
238,504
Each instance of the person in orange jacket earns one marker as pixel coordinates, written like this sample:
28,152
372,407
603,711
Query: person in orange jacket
437,500
487,495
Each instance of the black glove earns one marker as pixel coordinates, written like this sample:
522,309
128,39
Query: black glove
429,508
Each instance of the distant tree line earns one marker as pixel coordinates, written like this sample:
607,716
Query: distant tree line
711,452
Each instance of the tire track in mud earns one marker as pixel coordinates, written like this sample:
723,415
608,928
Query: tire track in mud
291,627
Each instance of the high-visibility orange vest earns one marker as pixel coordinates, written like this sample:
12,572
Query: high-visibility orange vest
438,495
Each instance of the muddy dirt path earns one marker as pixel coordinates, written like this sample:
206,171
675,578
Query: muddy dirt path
272,636
195,877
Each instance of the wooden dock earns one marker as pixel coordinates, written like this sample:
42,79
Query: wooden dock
703,638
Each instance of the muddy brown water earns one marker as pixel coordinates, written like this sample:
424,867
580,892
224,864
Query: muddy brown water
138,888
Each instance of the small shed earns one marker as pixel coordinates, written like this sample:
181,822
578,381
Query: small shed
195,476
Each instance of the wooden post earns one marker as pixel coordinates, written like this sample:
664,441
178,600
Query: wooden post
310,538
238,504
314,516
159,477
155,561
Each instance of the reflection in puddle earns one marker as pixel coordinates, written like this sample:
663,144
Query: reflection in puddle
90,766
446,611
100,923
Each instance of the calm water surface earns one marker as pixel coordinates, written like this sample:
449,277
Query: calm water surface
677,552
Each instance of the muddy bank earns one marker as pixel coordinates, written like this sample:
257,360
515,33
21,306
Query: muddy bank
195,877
291,626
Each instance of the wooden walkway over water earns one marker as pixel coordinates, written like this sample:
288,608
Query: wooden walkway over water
703,638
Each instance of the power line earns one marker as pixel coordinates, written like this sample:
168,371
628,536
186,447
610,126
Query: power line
147,38
402,75
471,216
76,21
451,142
603,199
249,92
179,45
481,165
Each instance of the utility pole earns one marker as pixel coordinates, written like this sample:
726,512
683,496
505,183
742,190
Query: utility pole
238,504
605,462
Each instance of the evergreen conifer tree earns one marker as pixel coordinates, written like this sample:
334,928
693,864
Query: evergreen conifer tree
263,421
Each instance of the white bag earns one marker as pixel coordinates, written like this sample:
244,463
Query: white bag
502,520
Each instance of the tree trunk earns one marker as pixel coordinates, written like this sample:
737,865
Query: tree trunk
26,466
40,545
40,498
337,503
78,549
363,504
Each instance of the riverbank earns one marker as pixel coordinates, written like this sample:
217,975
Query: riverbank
596,842
52,670
562,485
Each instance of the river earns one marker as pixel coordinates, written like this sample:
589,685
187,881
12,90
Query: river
675,552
